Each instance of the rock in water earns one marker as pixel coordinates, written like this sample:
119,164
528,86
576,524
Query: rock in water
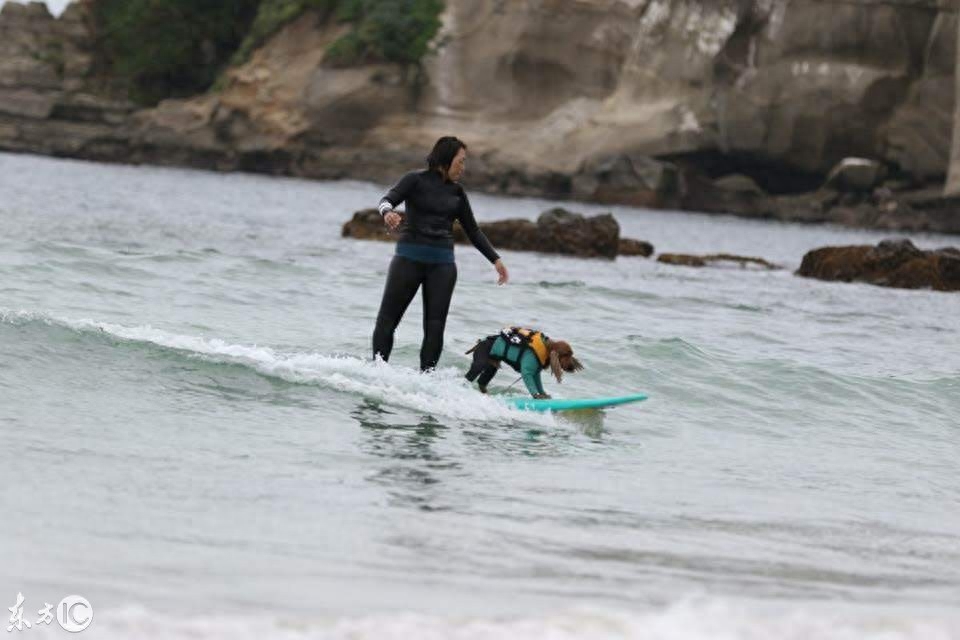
561,231
631,247
686,260
892,263
366,225
556,231
514,233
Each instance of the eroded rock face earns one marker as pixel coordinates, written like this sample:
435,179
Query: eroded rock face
46,102
555,231
917,137
794,85
627,179
670,104
912,210
892,263
857,175
645,103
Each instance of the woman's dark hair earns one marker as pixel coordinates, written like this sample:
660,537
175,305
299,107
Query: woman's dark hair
444,151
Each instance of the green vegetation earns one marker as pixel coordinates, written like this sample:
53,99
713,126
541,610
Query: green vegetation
169,48
385,31
173,48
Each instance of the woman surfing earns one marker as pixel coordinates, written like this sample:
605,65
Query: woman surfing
424,254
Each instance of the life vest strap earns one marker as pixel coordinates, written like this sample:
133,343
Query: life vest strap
528,339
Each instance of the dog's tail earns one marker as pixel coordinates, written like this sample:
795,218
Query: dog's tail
473,348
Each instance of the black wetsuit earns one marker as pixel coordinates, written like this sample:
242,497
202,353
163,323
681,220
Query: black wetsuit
424,257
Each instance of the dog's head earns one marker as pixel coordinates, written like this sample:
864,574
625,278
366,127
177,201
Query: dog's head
561,359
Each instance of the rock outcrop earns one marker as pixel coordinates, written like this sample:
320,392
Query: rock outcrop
780,91
907,210
367,225
739,106
555,231
688,260
48,103
856,175
892,263
631,247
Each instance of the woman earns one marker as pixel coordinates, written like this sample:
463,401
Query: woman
424,253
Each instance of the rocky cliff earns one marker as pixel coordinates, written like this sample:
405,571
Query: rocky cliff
727,105
48,99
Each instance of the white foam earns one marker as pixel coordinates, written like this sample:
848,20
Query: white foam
443,392
691,620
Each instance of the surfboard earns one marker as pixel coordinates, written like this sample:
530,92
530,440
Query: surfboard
566,404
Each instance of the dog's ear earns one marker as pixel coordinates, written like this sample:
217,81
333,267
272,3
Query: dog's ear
555,367
575,364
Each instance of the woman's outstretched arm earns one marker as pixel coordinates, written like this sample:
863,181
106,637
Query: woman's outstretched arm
479,239
472,229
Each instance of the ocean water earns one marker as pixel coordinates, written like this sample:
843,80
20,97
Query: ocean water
195,440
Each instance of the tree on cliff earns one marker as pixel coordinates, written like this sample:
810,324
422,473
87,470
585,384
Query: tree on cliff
176,48
169,48
397,31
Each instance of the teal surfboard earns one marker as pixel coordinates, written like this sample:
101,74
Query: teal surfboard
564,404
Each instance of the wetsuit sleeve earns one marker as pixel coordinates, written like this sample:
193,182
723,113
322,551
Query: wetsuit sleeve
472,229
530,370
398,193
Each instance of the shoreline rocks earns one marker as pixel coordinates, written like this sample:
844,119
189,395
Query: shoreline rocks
688,260
556,231
892,263
773,116
49,99
631,247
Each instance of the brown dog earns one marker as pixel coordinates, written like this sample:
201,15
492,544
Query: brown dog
528,351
